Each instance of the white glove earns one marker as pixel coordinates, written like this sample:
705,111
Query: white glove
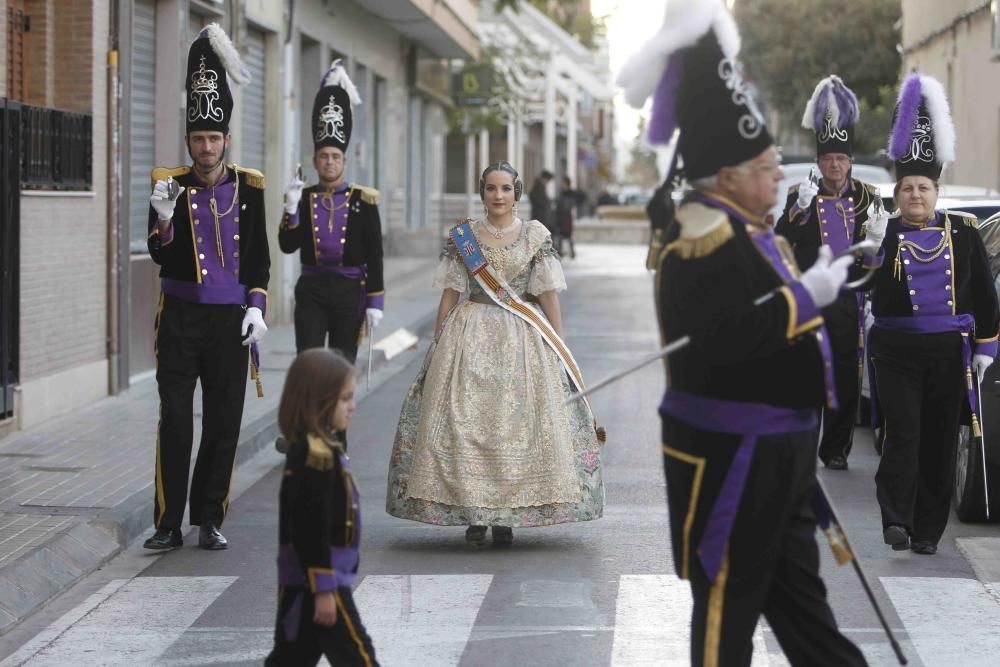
824,278
253,328
293,195
374,317
876,224
161,202
980,362
807,190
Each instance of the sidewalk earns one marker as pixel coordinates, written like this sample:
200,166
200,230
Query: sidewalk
76,491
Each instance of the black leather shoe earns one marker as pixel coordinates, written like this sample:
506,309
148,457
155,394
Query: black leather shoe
164,539
896,537
475,534
503,536
837,463
924,548
210,538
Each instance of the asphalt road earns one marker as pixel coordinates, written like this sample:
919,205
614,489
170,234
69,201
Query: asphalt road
597,593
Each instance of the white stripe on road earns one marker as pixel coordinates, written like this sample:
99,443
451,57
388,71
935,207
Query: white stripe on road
127,623
420,619
947,619
653,623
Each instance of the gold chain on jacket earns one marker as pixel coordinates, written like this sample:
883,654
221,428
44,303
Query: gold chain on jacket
930,254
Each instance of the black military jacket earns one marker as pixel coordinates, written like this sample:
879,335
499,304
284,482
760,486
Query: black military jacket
177,259
706,288
363,243
972,284
804,234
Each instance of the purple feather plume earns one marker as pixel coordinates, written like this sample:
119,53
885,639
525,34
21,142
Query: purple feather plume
819,109
906,117
663,119
847,102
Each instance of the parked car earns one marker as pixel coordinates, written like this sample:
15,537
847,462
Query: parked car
796,172
981,202
973,477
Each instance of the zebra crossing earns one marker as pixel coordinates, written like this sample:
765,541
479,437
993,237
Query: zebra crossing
431,620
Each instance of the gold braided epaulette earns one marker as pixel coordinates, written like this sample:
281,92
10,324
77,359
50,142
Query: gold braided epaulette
251,177
793,189
703,231
163,173
320,456
966,218
368,195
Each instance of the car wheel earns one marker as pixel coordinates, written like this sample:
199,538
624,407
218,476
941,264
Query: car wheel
969,494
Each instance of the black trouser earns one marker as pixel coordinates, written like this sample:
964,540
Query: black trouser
346,643
838,425
572,248
197,342
772,563
920,379
328,307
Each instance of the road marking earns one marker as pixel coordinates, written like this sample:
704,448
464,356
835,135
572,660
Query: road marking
128,622
653,623
947,618
421,619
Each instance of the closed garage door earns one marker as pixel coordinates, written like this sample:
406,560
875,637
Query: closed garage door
254,130
142,82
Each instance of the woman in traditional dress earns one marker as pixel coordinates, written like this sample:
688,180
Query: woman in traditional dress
485,437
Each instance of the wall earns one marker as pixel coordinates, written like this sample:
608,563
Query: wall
64,273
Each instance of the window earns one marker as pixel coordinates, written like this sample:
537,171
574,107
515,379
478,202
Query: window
18,23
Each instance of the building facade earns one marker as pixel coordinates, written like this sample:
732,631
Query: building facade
958,43
93,100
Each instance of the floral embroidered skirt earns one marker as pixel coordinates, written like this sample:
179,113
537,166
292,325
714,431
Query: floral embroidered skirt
484,437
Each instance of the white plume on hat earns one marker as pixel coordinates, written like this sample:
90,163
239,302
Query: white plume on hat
230,57
944,126
337,76
684,23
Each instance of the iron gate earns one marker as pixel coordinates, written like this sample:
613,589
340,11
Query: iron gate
10,221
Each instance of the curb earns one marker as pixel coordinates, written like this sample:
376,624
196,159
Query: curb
30,581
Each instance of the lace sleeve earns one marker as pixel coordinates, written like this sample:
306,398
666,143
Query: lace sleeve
451,273
546,270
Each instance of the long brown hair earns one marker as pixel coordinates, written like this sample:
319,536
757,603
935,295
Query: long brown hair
312,389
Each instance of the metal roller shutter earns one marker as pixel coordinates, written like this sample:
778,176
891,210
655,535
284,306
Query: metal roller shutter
254,130
141,122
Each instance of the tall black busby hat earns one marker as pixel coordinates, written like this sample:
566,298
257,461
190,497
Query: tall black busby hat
212,62
922,142
332,114
832,113
691,70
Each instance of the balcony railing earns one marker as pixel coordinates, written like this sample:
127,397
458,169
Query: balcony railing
55,149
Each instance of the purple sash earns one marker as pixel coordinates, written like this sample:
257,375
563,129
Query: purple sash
963,323
749,420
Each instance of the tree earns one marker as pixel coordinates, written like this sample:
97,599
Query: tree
789,45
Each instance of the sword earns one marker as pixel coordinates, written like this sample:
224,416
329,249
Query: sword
897,649
371,339
982,446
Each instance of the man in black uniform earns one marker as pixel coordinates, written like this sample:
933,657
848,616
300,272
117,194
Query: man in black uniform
832,214
741,411
207,232
336,229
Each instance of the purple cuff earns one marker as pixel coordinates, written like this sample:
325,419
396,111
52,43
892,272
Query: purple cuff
802,312
987,347
322,579
165,237
292,219
257,298
874,261
795,210
376,300
344,560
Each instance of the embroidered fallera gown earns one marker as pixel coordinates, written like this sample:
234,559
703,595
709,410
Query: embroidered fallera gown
484,437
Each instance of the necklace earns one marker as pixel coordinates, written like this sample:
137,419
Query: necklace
498,233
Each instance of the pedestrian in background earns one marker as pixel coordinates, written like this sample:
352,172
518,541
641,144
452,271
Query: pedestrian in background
936,321
565,206
319,522
485,437
541,204
209,237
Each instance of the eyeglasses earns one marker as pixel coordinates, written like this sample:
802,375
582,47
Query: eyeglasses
763,167
834,159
